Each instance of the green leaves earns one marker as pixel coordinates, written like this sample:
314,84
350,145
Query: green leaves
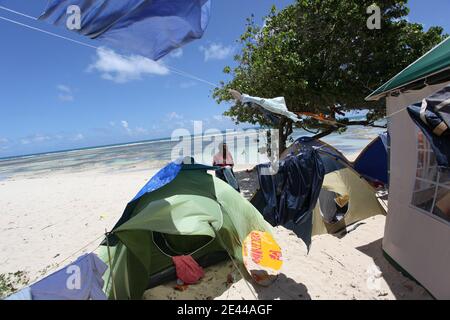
317,53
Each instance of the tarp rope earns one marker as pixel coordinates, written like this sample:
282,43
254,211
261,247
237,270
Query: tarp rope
67,258
178,253
172,69
222,243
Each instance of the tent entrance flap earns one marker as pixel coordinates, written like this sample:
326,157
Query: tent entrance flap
178,245
333,207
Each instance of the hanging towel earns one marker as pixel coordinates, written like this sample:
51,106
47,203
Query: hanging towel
188,269
275,105
82,280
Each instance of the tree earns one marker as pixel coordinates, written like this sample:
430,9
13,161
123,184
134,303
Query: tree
321,56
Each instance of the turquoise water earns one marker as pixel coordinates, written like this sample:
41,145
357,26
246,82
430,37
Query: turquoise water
153,154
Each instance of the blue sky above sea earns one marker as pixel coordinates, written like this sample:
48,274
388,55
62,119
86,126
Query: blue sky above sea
57,95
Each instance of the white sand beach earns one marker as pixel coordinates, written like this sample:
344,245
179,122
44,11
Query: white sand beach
48,220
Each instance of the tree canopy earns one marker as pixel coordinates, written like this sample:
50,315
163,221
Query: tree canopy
319,54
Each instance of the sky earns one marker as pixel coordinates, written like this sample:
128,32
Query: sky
56,95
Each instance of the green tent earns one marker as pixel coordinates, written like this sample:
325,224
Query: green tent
182,217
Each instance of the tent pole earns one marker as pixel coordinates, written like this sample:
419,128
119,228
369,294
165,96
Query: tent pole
111,273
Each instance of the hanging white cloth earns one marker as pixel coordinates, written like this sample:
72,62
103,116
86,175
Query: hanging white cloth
275,105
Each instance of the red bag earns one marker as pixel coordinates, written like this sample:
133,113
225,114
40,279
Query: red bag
188,269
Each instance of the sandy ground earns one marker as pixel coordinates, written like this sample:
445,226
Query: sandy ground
48,220
350,267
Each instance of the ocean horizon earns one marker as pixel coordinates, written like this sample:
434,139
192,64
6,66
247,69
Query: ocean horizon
154,153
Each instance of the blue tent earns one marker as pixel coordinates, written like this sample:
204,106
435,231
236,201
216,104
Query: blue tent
372,163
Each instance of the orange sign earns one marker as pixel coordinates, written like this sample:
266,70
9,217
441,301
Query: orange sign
262,257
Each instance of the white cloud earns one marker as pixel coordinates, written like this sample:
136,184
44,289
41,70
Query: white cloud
219,117
124,124
132,131
112,123
3,140
78,137
121,69
217,51
36,138
65,93
40,138
140,130
174,116
177,53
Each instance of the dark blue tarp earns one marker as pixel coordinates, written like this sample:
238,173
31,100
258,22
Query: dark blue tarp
432,116
372,163
151,28
332,159
291,195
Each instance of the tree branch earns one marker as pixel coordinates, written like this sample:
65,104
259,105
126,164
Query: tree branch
324,134
361,123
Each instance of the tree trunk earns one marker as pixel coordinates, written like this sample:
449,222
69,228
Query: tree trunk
284,131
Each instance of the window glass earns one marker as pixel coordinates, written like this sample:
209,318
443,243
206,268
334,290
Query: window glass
432,186
424,194
442,206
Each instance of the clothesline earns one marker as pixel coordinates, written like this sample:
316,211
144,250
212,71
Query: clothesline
68,257
172,69
18,13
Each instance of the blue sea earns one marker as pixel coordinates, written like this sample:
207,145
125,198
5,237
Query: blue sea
151,154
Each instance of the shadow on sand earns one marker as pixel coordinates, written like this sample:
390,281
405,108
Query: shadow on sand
216,283
283,288
402,287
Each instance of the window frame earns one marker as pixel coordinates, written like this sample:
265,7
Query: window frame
437,184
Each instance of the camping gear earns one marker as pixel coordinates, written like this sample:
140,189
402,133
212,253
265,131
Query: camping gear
188,270
81,280
149,28
194,214
262,257
341,183
432,116
372,162
416,238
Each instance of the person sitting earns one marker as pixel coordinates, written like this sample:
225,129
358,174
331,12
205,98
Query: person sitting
224,159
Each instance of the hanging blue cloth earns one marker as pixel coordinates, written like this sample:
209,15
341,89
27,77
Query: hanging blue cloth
151,28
